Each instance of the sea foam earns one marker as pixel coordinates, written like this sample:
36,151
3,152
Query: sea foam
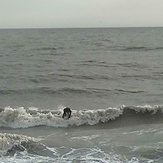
12,142
23,118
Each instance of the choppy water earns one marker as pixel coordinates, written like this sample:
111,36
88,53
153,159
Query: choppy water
110,78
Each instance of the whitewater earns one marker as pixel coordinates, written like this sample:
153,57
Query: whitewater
32,117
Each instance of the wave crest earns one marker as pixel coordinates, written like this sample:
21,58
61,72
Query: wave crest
31,117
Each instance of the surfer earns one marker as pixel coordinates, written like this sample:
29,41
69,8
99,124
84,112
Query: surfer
66,113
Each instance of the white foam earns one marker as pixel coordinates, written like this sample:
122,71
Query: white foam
93,117
89,156
86,155
148,108
24,118
8,140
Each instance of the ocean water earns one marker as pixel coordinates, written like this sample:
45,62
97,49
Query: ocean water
111,78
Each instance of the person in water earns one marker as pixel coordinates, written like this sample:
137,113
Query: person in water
66,113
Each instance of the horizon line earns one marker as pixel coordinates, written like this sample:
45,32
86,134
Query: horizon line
6,28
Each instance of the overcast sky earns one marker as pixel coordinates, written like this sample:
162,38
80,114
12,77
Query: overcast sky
80,13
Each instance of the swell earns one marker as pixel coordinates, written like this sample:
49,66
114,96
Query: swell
143,48
44,90
32,117
72,77
111,45
135,48
68,91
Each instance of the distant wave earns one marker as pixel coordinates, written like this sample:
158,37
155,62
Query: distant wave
68,91
45,90
129,91
31,117
144,48
110,45
47,48
52,51
136,48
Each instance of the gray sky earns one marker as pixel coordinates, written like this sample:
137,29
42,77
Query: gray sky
80,13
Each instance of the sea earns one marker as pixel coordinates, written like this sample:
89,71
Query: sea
111,79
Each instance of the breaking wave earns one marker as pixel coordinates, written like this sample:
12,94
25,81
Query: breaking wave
11,143
21,148
31,117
